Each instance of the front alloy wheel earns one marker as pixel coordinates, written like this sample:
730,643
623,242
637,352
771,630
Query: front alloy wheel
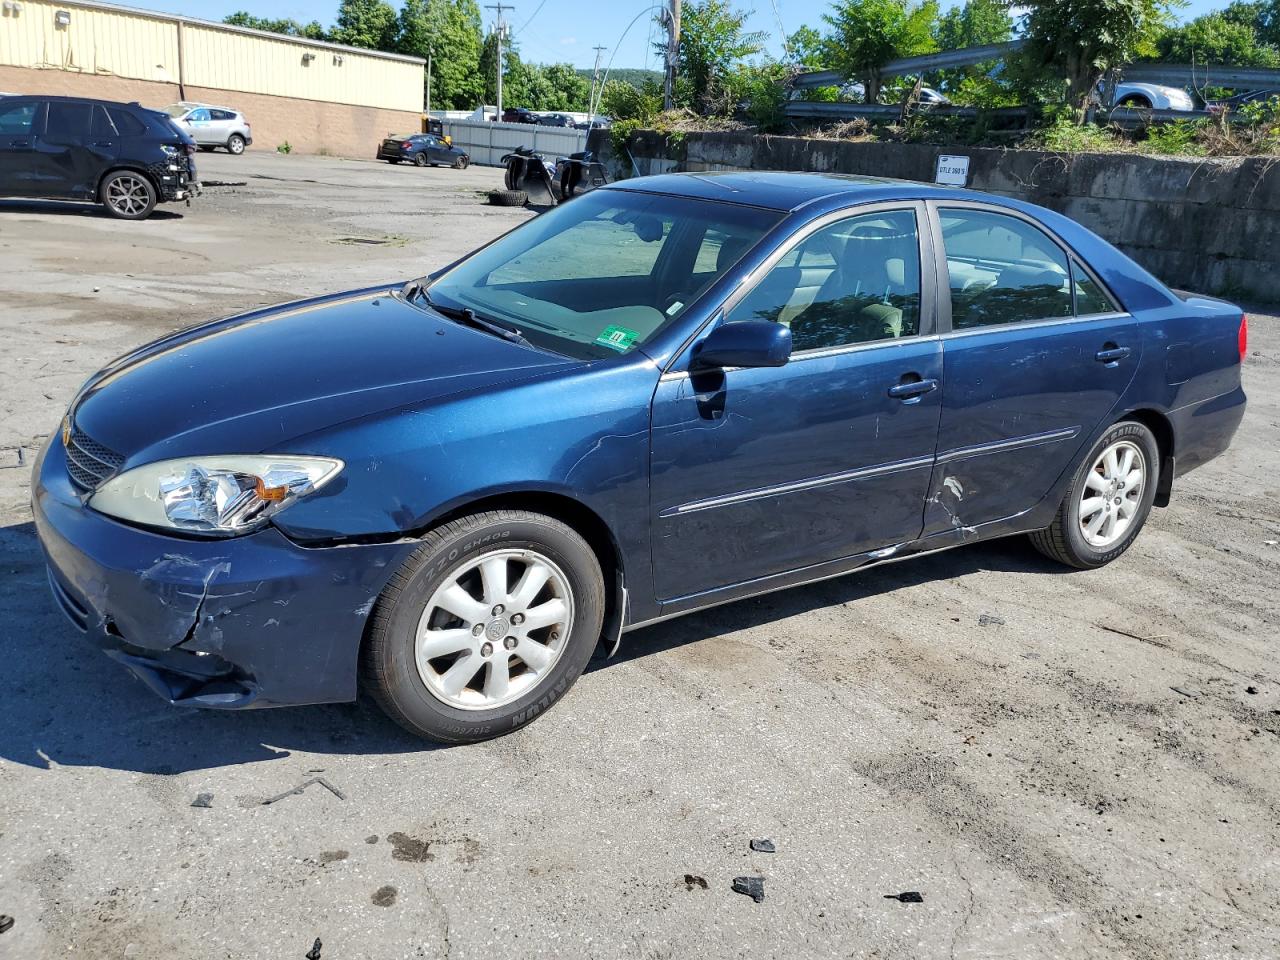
485,627
128,195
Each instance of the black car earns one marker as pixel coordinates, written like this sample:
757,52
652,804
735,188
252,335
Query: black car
518,115
422,149
555,120
122,155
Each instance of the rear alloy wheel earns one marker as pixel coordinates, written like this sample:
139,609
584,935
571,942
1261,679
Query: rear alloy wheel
1108,500
420,159
128,195
235,144
485,627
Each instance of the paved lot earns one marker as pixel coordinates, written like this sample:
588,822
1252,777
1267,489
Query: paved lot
1039,780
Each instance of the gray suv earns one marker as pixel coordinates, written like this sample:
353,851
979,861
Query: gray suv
211,126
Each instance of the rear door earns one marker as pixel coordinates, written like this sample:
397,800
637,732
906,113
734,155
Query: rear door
76,146
221,125
20,121
1036,354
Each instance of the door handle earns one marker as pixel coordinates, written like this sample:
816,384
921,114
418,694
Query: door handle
103,143
912,389
1110,353
21,144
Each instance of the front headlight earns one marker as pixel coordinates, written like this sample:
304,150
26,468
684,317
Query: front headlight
215,496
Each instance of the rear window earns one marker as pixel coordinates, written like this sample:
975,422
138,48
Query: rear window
126,123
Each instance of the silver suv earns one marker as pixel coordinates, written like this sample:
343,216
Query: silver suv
211,126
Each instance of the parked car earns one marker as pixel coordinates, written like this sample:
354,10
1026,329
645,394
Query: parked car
518,115
555,120
1151,96
1234,103
673,392
122,155
211,126
423,149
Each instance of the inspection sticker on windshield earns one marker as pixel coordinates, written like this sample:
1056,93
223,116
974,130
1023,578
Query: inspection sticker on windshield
617,338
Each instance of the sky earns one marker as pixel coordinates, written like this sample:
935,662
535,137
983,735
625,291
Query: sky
560,31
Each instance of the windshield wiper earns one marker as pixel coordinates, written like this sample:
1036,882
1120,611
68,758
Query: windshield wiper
413,288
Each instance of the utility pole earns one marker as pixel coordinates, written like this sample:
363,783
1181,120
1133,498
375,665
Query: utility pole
429,88
672,19
595,75
499,28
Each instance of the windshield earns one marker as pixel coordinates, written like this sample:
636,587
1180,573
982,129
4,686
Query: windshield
601,275
177,110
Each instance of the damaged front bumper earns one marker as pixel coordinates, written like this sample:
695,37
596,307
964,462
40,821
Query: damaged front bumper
244,622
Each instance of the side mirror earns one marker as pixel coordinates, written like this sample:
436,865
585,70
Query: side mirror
751,343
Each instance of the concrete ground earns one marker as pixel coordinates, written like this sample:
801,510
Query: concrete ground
1094,774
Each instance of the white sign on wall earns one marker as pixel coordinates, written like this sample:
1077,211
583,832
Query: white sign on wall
952,171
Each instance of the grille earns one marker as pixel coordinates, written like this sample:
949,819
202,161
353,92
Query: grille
89,462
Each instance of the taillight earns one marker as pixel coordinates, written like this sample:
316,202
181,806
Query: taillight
1244,335
407,144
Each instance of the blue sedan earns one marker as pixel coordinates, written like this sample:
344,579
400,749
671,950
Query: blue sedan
671,393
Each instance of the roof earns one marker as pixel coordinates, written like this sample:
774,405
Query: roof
785,191
230,28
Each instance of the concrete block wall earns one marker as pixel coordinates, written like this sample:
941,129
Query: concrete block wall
1208,225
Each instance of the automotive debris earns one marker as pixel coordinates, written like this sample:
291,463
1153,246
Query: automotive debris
1186,693
314,952
692,880
763,846
302,786
6,923
989,620
907,896
1154,641
1250,689
752,887
203,800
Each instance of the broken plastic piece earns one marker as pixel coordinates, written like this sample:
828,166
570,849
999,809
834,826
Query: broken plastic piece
302,786
314,952
763,846
1250,689
752,887
6,923
907,896
203,800
990,619
692,880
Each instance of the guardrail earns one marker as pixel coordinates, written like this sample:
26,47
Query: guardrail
910,66
1200,75
840,110
486,141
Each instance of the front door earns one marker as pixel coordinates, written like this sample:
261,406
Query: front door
1037,357
18,128
758,472
77,145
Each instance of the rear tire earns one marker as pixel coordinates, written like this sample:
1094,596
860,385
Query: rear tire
128,195
508,198
1108,500
235,144
485,626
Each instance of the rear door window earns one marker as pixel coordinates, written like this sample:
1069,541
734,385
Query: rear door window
126,123
1091,299
102,125
69,121
1002,270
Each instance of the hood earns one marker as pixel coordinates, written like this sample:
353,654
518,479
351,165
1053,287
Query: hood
253,382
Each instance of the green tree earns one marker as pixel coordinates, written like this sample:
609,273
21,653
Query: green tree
450,32
1262,15
804,48
712,42
1082,39
366,23
517,81
867,34
569,90
285,25
976,24
1215,39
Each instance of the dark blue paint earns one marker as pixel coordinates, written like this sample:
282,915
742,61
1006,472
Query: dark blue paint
711,484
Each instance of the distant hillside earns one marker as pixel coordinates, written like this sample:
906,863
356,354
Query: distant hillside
631,76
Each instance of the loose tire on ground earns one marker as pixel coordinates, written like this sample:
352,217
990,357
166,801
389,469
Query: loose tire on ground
128,195
410,620
1067,539
508,198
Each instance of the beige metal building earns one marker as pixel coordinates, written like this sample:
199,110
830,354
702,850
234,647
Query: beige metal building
317,96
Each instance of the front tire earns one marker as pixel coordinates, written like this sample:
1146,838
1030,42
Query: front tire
420,160
235,144
489,623
128,195
1107,501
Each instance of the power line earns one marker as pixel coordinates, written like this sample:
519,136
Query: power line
531,16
